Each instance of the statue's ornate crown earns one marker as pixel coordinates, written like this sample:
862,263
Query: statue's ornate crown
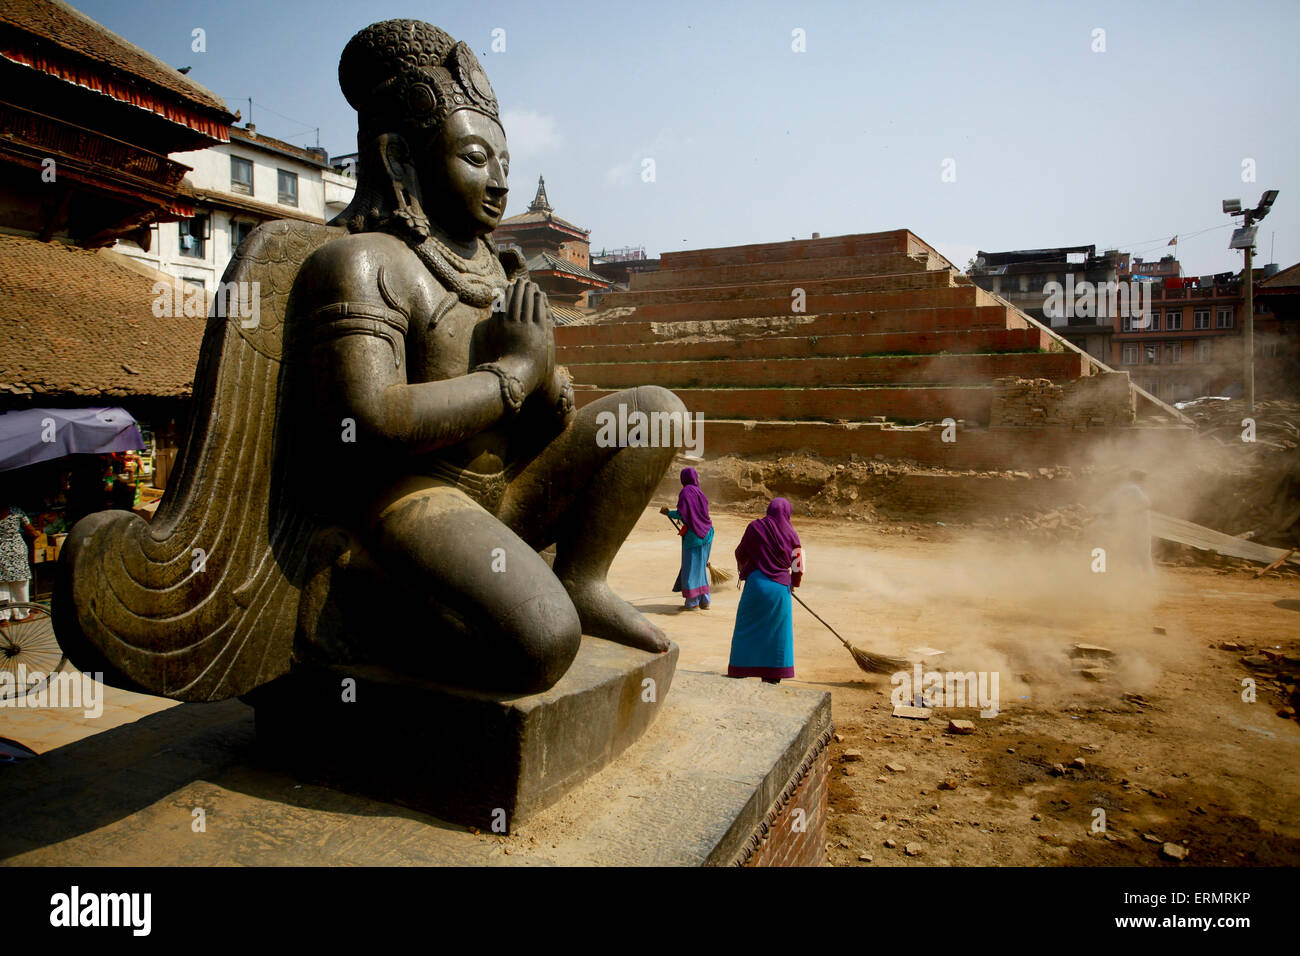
409,74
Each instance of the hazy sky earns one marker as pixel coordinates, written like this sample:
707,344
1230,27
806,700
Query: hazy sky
1051,143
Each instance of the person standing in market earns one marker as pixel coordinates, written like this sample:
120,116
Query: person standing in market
771,565
15,571
697,541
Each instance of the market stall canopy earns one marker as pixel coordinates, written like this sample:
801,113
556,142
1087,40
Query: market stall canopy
40,434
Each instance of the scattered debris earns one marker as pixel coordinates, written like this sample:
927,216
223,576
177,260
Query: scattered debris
895,767
912,713
948,784
963,727
913,849
851,756
1172,851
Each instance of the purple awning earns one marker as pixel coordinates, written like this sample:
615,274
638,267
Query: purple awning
41,434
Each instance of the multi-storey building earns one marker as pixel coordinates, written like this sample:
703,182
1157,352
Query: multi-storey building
1191,344
1037,282
235,187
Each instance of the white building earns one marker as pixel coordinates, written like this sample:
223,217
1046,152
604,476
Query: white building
236,187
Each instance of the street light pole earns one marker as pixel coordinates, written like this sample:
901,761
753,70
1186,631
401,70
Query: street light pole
1244,239
1250,329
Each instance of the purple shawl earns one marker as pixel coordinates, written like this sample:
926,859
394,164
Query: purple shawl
768,544
692,505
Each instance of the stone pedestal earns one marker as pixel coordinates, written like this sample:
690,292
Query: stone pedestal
482,760
732,772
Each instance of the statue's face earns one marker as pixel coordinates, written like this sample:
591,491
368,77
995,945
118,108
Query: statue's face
467,169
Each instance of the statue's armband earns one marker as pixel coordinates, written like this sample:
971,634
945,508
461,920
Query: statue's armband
339,319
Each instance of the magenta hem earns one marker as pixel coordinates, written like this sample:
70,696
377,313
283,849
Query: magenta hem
695,592
760,671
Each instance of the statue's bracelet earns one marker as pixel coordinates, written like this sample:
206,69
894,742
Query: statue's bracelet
512,390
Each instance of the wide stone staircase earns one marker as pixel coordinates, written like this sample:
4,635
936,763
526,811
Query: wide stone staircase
858,344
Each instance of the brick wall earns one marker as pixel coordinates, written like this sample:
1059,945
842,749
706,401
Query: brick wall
794,832
1096,400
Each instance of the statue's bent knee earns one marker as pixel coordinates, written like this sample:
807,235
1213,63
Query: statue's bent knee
540,637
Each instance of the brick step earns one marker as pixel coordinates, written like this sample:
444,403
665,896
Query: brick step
813,304
828,268
830,372
800,346
862,244
897,403
1000,449
782,288
923,320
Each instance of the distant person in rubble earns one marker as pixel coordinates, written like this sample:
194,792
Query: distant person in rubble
770,561
692,513
1125,516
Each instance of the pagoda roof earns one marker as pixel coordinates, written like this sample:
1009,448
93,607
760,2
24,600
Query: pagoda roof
545,262
53,38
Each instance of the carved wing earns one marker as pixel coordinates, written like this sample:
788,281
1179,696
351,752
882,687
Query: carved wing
201,603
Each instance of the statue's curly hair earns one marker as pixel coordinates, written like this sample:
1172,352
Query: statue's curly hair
408,75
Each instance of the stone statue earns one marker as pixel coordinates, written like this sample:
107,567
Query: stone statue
376,464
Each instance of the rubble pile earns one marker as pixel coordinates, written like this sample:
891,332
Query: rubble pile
1066,523
1275,669
1095,401
1259,478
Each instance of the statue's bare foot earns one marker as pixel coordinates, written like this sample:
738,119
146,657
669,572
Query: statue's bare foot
604,614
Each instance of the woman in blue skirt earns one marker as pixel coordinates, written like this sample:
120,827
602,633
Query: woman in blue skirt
770,561
697,540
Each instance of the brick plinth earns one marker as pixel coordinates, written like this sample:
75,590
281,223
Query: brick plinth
794,831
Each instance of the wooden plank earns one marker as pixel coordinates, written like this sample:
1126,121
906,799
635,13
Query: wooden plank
1207,539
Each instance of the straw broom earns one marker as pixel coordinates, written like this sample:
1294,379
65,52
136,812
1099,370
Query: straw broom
717,576
867,661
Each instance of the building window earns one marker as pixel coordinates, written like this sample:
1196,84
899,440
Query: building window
1204,350
241,176
1201,318
1224,319
1152,386
240,231
1175,352
1155,322
1174,321
195,284
288,187
194,235
1130,353
1152,356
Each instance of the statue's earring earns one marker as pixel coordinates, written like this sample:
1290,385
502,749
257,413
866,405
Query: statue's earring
407,207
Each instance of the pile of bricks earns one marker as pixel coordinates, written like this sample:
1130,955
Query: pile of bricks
1094,401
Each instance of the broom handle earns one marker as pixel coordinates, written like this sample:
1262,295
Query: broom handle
819,617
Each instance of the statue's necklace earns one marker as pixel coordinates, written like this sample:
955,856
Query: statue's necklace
474,281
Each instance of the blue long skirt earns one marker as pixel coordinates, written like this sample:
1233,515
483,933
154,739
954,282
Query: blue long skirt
693,578
762,644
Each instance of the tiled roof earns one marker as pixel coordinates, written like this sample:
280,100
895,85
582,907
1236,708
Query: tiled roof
257,140
75,321
1287,277
69,34
534,218
563,315
545,262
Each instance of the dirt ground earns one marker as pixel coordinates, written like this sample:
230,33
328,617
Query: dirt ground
1169,751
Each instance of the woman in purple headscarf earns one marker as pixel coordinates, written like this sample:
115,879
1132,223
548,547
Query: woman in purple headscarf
696,529
770,560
